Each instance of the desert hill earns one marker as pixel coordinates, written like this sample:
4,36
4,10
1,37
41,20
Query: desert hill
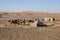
28,13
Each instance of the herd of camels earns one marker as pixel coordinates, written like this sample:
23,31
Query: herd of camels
21,21
26,21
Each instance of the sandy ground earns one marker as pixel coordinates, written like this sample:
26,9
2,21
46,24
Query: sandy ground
42,33
17,32
14,32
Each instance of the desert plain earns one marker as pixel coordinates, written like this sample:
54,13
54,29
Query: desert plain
18,32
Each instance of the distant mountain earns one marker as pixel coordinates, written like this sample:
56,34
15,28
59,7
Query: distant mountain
27,13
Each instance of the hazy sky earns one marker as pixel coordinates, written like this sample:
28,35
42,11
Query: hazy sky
30,5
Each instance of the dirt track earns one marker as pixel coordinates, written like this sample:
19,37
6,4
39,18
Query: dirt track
42,33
